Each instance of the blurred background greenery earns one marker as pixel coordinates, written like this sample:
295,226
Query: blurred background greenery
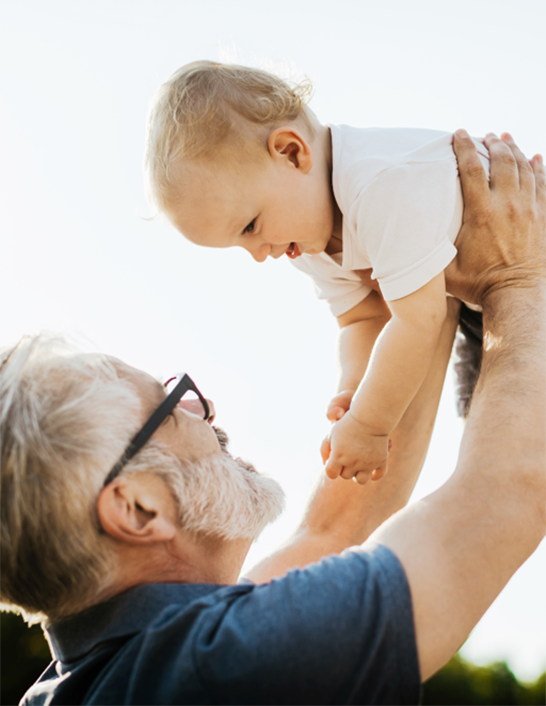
461,682
25,655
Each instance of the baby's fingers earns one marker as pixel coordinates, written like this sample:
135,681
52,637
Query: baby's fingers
333,468
362,477
334,413
379,472
325,449
348,472
338,405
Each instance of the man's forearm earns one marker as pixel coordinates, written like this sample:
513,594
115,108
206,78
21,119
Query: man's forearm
461,545
342,513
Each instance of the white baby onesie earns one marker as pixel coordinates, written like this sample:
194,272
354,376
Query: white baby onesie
399,192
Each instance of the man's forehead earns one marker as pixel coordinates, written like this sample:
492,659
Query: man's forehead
140,378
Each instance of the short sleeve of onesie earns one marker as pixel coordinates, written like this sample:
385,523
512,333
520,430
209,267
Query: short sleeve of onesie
404,228
400,196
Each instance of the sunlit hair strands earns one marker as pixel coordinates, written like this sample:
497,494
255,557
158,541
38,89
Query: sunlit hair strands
65,418
205,106
54,447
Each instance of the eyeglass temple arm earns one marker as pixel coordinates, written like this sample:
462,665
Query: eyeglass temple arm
153,423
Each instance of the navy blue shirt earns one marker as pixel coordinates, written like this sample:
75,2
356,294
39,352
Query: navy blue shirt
337,632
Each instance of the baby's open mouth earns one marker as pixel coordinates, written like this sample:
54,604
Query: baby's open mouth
293,251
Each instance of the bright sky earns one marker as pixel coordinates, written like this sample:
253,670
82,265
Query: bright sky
78,255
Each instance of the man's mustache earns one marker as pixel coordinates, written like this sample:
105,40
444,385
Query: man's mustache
223,440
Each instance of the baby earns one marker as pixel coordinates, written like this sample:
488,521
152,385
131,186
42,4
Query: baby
234,157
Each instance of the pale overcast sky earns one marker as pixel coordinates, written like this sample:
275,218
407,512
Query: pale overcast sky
78,254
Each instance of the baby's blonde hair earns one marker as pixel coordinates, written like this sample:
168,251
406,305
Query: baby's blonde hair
205,106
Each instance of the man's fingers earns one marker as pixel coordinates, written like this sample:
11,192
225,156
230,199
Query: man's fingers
525,171
474,181
504,171
537,164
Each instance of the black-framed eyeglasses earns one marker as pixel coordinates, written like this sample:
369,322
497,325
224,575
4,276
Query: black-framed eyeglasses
177,387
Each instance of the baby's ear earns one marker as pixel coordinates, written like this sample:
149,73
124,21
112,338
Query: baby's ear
287,144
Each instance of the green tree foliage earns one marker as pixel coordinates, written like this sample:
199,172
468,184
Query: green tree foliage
25,655
460,683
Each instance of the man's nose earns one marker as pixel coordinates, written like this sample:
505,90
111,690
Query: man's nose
194,406
212,411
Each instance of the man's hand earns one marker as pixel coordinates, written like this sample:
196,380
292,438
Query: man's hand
355,451
498,244
491,515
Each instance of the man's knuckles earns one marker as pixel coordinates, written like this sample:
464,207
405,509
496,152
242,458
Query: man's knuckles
474,170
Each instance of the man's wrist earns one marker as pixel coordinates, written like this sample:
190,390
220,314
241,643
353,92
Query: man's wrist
511,307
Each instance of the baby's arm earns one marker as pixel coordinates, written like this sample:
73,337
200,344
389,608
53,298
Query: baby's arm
341,515
398,366
360,327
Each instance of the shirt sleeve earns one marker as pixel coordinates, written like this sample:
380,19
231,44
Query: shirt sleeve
341,289
402,220
338,631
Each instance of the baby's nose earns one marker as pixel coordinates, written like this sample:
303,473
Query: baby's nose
261,252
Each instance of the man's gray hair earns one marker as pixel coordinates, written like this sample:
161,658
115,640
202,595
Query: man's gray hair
65,419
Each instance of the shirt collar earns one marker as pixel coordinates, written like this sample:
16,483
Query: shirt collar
122,616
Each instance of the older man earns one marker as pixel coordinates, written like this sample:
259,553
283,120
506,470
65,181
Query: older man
130,544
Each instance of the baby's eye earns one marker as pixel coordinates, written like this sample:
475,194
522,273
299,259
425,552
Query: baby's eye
250,227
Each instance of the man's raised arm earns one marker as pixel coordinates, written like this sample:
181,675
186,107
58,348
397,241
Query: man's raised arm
460,545
340,513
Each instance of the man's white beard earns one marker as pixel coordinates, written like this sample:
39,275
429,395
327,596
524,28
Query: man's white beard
226,497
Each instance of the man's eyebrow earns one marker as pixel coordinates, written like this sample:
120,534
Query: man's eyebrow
160,386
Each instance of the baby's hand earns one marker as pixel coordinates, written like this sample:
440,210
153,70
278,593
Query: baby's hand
339,405
355,452
337,408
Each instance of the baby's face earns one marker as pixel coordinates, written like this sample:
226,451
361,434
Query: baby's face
268,207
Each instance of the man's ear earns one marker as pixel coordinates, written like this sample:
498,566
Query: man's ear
286,143
138,509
